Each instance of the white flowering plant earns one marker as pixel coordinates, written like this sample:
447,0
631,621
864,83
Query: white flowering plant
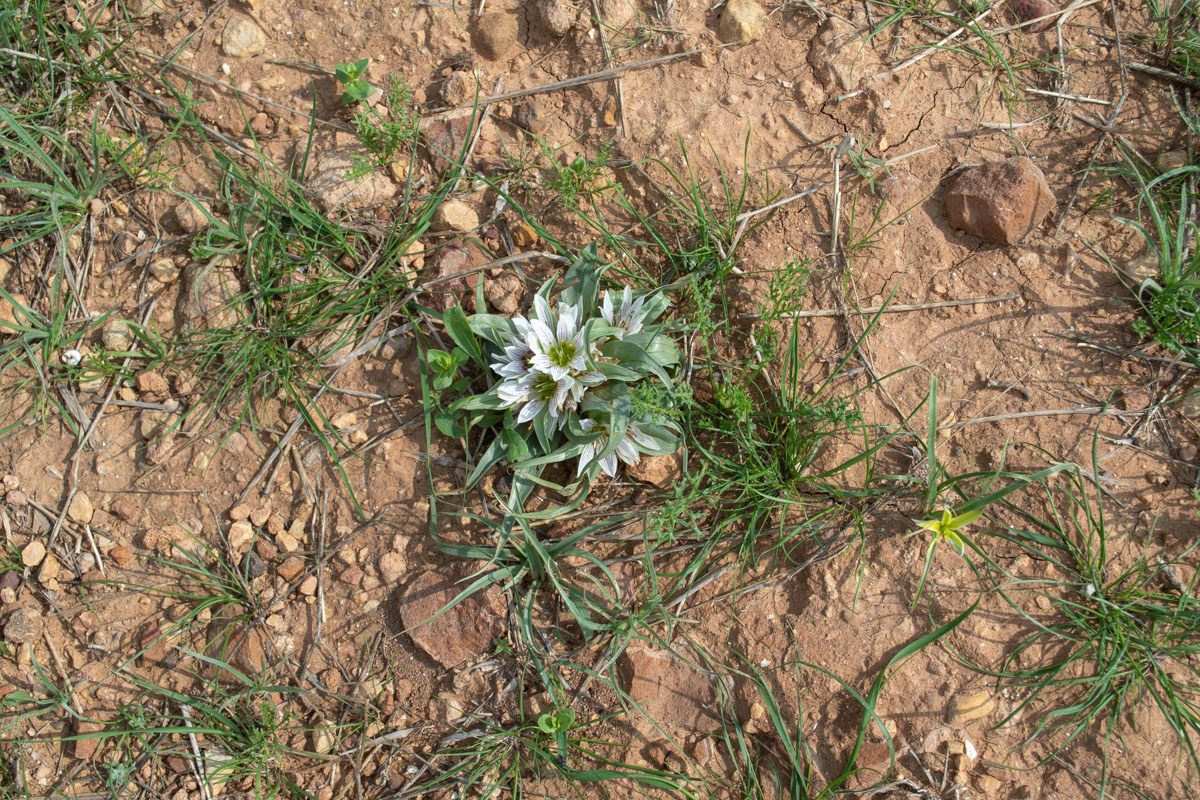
566,380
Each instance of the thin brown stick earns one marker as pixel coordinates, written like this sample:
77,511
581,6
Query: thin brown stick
83,442
287,437
1176,362
1065,82
1105,134
279,462
1065,96
608,61
1164,74
928,51
197,760
832,312
483,118
1006,126
192,73
170,55
499,262
1009,386
1049,412
1006,29
310,494
592,77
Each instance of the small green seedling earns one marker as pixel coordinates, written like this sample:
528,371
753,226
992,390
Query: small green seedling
387,130
944,527
351,77
947,527
444,368
581,177
557,725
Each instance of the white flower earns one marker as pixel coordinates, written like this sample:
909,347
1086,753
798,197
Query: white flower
515,362
627,449
629,317
544,366
558,349
539,391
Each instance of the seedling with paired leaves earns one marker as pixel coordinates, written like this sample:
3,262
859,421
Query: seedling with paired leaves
355,88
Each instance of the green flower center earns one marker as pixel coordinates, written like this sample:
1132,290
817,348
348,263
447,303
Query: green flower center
545,387
561,353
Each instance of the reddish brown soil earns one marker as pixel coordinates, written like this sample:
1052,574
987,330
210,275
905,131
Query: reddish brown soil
741,108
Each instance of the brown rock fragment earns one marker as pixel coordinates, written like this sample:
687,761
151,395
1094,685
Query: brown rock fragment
670,691
968,706
464,632
291,568
661,471
496,35
1001,202
333,190
86,748
504,292
1026,10
81,509
455,215
33,553
208,297
741,22
555,17
23,625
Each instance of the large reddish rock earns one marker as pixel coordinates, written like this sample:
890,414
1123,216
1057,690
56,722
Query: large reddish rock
452,268
236,644
661,471
446,135
208,298
87,743
669,690
466,631
1000,202
1026,10
345,178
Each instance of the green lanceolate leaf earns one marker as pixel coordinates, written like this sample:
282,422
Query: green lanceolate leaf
348,73
459,329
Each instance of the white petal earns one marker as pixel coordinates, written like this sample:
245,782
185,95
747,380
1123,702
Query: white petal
531,410
627,452
640,437
609,465
606,307
541,310
591,378
512,392
585,457
556,372
568,319
542,338
554,419
512,370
